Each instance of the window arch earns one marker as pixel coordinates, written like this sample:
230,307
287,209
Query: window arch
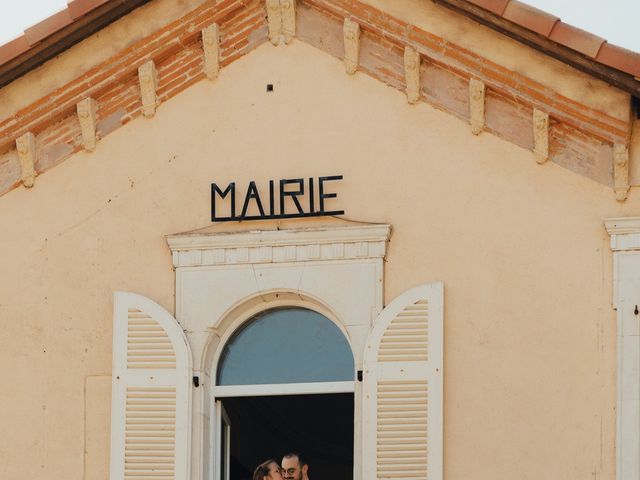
286,345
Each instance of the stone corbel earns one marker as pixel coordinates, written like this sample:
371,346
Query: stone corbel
621,171
274,21
148,78
288,14
476,105
210,45
26,147
281,19
87,117
412,74
540,135
351,32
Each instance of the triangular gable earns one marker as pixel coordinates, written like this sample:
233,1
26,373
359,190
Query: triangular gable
429,68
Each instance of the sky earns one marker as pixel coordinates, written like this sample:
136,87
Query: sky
614,20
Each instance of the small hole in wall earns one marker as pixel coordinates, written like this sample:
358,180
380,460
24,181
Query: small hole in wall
269,87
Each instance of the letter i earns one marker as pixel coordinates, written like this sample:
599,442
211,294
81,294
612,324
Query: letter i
271,197
311,194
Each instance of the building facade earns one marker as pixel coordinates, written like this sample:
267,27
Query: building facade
446,188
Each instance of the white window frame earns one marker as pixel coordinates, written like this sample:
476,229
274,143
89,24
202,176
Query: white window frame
223,436
225,278
265,390
625,244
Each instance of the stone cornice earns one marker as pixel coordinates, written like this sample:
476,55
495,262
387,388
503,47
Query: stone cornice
625,233
278,246
622,225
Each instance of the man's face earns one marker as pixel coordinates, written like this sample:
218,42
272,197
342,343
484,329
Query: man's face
292,470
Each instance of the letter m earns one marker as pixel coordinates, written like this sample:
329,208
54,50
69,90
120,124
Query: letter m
215,190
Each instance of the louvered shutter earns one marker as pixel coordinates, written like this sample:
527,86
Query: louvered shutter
151,393
403,388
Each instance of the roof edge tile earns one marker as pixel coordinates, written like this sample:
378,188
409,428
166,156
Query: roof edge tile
530,17
48,26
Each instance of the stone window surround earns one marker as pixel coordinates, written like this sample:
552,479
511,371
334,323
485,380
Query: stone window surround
223,279
625,244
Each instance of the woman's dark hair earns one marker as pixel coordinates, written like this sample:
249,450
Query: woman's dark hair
263,470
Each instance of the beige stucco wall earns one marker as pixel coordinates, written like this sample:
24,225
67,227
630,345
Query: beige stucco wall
529,329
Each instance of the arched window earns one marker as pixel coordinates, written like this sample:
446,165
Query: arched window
286,345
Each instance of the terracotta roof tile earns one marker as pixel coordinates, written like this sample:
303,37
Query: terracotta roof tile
77,8
620,58
553,28
577,39
13,48
495,6
48,26
530,17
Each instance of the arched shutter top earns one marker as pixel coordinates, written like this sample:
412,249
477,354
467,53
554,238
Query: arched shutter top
403,388
151,392
409,329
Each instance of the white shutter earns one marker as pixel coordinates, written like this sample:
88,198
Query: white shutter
151,392
403,388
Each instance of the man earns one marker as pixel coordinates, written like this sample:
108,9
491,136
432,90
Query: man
295,466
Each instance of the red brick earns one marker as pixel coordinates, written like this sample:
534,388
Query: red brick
509,120
577,151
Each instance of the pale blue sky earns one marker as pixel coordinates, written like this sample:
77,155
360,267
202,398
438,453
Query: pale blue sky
615,20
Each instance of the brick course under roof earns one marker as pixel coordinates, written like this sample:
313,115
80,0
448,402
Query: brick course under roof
514,11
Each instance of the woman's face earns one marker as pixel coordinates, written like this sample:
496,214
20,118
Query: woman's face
274,472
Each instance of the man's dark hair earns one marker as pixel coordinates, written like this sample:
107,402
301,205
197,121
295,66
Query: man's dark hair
302,459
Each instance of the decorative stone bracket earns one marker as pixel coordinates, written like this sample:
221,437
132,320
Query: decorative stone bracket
211,47
476,105
281,18
351,31
412,74
148,77
87,117
540,135
26,147
621,171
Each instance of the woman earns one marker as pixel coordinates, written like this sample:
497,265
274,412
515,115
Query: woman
268,470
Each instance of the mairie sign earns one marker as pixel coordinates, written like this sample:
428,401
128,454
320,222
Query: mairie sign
286,198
